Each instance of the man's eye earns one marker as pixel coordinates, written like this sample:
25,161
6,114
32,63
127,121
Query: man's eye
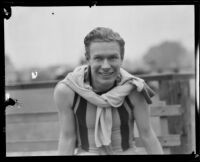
98,58
113,58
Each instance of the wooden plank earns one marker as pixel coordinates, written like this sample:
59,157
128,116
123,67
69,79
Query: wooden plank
178,92
32,117
166,150
32,131
52,83
167,76
164,126
26,146
51,144
32,85
33,101
166,141
167,110
32,153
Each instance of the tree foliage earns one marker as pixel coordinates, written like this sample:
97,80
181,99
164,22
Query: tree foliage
169,56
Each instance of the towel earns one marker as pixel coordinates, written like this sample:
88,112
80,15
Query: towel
105,102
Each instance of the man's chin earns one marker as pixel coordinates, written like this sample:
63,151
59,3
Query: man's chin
107,77
106,80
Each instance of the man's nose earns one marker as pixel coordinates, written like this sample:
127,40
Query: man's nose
106,64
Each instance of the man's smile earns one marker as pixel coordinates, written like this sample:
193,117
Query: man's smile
106,74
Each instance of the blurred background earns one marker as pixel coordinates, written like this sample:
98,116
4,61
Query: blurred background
49,40
43,44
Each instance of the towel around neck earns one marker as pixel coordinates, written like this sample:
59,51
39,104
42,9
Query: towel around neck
78,80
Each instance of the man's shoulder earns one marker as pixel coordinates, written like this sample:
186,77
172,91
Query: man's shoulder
136,96
63,88
63,93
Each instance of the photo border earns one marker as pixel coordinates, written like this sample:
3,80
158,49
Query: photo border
6,4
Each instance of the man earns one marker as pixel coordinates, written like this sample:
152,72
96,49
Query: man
98,103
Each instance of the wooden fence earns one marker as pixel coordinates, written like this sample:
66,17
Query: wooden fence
34,127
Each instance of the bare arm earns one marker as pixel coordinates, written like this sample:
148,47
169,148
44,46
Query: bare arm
142,118
63,97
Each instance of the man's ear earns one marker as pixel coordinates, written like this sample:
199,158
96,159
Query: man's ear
121,62
87,57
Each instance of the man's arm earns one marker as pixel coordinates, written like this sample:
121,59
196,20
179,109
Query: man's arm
142,118
63,97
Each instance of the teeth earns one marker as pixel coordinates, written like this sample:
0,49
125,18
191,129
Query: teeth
106,73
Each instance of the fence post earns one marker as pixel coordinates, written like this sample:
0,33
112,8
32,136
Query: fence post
178,92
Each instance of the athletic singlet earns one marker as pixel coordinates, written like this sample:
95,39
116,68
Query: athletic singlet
122,128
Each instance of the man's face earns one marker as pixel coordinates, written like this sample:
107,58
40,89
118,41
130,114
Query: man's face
105,61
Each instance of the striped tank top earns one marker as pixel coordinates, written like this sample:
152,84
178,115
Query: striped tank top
122,128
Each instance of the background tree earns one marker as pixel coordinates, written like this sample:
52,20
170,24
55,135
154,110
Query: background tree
169,56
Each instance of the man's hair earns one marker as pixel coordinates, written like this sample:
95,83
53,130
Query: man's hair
102,34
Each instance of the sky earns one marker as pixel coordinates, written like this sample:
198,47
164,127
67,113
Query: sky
45,36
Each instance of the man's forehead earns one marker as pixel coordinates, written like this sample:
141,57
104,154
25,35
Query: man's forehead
103,45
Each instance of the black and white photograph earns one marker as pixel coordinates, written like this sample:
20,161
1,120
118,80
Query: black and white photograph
100,80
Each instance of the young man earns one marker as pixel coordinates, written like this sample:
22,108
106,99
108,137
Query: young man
98,103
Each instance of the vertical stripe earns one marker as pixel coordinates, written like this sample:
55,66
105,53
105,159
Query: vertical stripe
75,103
81,116
75,98
129,103
77,133
131,107
130,122
128,109
124,127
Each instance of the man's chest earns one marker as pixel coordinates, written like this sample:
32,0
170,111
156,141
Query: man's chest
85,114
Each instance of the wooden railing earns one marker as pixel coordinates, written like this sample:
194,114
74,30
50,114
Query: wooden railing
34,126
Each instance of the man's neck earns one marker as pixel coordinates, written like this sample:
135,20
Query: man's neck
102,88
